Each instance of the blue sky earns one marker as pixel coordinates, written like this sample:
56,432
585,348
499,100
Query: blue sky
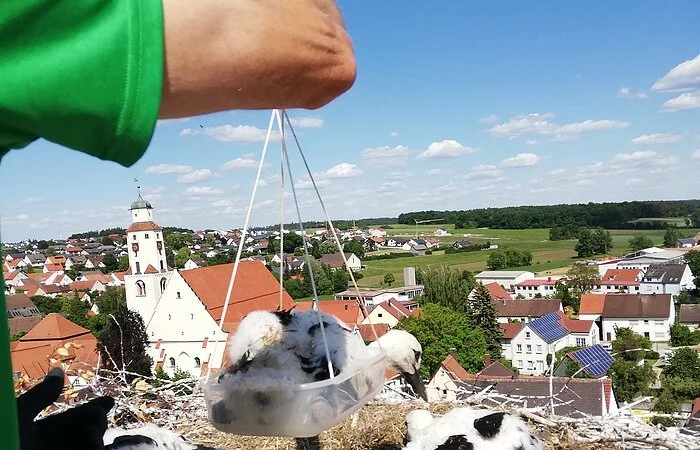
463,105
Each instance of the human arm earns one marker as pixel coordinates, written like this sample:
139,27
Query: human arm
244,54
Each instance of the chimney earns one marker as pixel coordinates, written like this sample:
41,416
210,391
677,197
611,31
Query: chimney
549,279
453,352
487,360
409,276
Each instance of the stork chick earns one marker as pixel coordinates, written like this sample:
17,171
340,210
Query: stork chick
468,429
147,437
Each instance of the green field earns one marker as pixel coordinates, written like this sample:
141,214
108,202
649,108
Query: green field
548,256
677,221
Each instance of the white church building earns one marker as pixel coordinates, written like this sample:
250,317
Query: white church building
182,310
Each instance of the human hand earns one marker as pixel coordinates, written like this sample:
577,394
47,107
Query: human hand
79,428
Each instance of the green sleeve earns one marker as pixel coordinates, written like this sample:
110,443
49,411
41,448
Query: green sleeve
84,74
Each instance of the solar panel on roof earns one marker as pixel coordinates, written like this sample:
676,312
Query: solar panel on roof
595,360
548,327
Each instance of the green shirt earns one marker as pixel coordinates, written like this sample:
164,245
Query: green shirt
87,75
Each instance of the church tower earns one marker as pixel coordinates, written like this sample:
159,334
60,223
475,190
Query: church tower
148,273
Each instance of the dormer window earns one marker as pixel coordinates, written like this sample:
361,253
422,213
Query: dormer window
145,235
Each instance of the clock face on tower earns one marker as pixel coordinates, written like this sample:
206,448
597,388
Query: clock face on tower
135,247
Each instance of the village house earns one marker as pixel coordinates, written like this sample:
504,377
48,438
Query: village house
74,260
655,256
335,261
496,292
32,353
525,310
545,335
648,315
686,243
389,312
22,313
538,287
620,280
689,315
457,245
576,398
594,361
372,297
443,385
667,279
506,278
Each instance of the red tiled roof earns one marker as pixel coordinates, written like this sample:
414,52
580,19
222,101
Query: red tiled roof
143,226
541,282
577,326
367,333
592,304
497,292
397,314
82,285
18,301
151,269
54,327
119,275
453,368
18,324
620,277
398,306
526,308
346,310
510,330
255,288
496,369
696,408
637,306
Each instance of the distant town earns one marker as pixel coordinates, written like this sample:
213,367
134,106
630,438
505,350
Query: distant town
577,315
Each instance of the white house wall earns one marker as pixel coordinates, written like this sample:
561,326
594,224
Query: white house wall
657,329
441,387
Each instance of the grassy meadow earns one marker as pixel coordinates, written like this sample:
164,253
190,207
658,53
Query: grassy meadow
549,257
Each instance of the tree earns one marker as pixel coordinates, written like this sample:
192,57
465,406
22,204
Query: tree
563,292
107,241
640,242
126,333
47,305
75,310
340,280
440,329
111,263
445,286
497,261
123,263
177,240
682,335
684,365
50,251
630,380
692,258
627,340
593,242
355,247
182,256
603,241
483,316
42,245
582,278
671,237
389,278
112,301
328,247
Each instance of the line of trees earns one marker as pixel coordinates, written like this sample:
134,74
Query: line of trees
510,257
606,215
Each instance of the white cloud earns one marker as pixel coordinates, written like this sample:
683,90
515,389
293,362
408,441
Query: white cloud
343,170
634,182
163,169
306,122
386,156
195,176
657,138
520,160
262,183
242,134
646,157
532,142
684,76
483,171
305,183
241,163
695,154
202,191
448,148
434,172
33,200
22,217
398,175
685,101
539,124
222,203
627,92
394,134
391,186
488,120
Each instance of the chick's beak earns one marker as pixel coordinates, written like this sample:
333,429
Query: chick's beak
414,380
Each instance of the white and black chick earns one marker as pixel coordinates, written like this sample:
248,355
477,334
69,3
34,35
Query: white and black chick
147,437
468,429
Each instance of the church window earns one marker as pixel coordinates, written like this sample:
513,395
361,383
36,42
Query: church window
170,317
197,361
178,294
163,281
138,267
191,316
162,267
140,288
145,235
172,362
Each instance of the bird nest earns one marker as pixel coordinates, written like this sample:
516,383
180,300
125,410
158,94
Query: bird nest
377,426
